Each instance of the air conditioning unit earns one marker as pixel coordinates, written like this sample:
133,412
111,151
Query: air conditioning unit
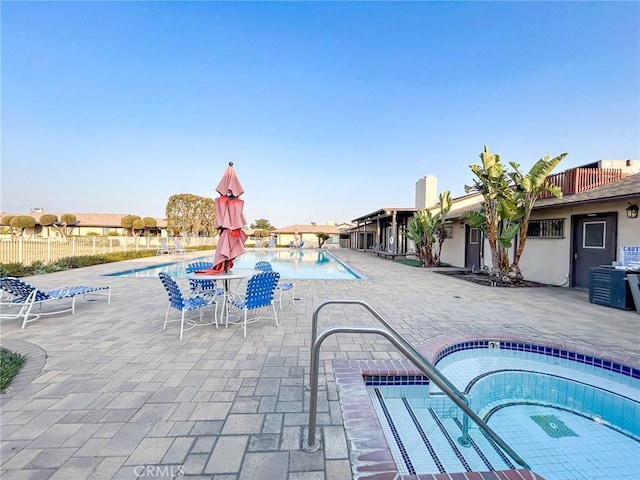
608,286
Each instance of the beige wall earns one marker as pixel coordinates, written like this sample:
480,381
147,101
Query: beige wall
548,261
453,247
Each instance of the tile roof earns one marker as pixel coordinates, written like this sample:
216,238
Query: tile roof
328,229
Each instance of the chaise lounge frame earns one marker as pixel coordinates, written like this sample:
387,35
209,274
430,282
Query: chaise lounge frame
20,295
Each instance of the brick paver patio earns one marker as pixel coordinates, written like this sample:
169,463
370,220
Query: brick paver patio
106,394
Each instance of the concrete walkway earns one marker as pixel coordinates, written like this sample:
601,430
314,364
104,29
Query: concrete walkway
106,394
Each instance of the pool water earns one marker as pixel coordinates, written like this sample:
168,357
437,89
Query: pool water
568,421
293,264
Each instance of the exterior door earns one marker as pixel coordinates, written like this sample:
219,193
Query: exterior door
473,241
594,245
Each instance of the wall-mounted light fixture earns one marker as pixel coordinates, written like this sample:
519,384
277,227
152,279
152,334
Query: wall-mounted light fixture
632,211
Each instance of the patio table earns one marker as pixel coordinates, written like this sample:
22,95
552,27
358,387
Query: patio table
233,274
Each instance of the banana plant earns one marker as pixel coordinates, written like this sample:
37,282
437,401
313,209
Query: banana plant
509,198
428,231
527,190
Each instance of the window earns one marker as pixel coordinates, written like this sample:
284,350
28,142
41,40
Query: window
593,235
551,228
473,236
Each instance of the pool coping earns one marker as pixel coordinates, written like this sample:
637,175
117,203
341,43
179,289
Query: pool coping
369,452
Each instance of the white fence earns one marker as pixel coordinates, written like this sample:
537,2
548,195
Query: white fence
27,251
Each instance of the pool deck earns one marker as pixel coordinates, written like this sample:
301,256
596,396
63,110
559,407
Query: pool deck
106,394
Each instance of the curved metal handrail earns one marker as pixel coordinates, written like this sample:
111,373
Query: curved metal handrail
381,319
405,348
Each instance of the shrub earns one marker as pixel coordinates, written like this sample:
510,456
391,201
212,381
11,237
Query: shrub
68,263
14,270
10,364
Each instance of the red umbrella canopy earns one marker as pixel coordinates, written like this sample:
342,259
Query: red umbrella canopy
229,184
230,220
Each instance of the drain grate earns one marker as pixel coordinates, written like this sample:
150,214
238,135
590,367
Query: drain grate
552,426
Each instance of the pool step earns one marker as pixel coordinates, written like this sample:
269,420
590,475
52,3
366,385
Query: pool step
422,442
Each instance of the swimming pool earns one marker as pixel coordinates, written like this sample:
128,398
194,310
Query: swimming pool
294,264
569,415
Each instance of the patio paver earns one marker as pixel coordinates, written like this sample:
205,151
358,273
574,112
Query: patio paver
106,390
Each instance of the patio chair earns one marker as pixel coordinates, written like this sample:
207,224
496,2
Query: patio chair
281,286
164,249
184,304
197,286
260,291
24,297
178,249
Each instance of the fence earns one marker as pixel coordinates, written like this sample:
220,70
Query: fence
580,179
27,251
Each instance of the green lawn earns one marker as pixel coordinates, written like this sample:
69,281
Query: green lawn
405,261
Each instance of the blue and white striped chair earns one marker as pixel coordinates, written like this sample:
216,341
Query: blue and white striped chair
185,304
197,286
281,286
260,290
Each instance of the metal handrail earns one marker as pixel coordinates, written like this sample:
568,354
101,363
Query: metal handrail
381,319
401,344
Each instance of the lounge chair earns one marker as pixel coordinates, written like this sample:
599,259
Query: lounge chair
24,297
178,249
281,286
260,291
184,304
164,249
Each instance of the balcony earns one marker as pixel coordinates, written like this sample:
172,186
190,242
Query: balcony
580,179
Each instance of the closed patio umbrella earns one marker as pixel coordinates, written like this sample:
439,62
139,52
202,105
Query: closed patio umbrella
229,220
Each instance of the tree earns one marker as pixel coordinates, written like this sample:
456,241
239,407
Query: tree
498,214
128,222
191,215
50,220
260,234
322,238
66,223
5,221
527,190
428,231
21,222
262,224
508,199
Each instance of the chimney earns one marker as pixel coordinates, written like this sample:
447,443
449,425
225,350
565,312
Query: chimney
426,192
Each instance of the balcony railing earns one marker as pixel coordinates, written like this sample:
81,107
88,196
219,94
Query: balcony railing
580,179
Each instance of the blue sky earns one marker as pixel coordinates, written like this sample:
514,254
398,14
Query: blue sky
329,110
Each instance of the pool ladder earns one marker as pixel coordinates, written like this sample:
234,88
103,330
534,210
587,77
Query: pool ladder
391,334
